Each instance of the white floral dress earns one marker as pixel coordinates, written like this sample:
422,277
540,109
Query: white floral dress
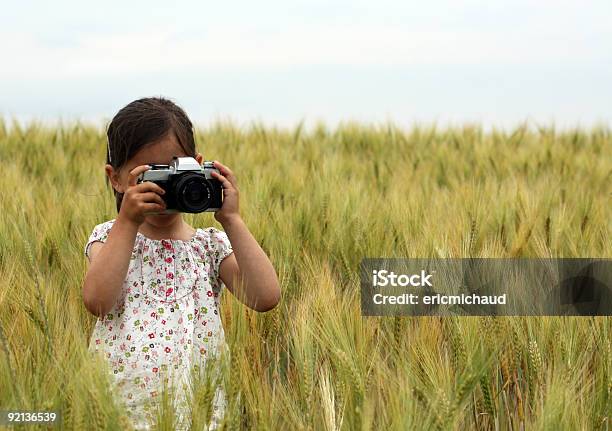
166,319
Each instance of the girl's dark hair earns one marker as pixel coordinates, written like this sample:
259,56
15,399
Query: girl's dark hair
143,122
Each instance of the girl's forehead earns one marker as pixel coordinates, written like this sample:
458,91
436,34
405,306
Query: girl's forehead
158,153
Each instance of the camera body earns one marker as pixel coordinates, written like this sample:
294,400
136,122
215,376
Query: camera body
189,186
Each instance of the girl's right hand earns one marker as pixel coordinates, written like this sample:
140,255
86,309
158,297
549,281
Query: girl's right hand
138,199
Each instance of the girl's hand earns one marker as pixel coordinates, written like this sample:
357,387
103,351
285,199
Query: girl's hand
139,199
229,209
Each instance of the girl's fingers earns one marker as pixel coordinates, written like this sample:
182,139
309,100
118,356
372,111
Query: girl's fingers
217,164
224,181
152,197
133,175
149,186
153,208
227,172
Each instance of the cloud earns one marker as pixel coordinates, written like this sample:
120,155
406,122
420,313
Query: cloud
226,46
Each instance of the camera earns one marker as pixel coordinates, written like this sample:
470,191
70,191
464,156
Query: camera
189,186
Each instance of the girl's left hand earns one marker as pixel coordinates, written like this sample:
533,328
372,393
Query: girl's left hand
229,209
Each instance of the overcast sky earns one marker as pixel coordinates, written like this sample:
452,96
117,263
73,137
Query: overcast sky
494,62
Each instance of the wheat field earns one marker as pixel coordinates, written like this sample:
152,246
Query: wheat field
318,201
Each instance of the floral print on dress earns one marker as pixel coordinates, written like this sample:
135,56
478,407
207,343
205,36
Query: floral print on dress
166,318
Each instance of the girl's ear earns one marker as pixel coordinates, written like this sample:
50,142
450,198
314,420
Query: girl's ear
113,177
199,158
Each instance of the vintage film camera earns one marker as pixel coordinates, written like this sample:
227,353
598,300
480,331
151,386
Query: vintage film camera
189,186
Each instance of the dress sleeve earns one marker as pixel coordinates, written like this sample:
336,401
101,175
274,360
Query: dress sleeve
100,233
219,248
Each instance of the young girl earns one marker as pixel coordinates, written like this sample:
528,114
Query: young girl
153,281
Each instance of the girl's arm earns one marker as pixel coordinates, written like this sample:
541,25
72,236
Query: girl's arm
109,262
247,272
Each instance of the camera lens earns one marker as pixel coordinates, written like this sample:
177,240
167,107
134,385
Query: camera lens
193,193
